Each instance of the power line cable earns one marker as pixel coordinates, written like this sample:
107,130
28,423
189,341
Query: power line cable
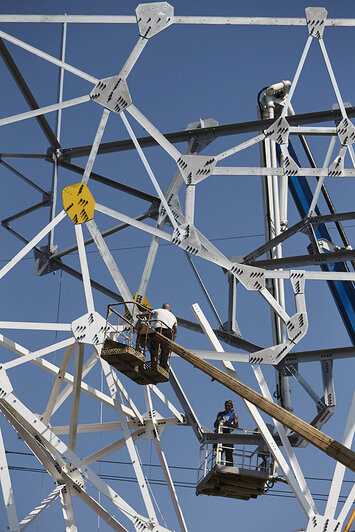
121,462
178,483
146,246
236,237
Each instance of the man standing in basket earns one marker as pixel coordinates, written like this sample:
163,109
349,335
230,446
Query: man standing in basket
163,321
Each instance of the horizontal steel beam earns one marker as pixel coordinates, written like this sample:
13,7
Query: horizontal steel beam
299,226
214,131
326,218
224,336
181,19
306,260
319,355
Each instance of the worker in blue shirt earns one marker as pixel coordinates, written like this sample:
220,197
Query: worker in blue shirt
229,420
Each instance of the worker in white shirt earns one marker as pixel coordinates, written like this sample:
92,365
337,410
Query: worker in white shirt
164,321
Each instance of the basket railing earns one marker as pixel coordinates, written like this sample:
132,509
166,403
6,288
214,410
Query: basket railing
255,459
130,323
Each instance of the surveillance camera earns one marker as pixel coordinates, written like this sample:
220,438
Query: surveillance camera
279,90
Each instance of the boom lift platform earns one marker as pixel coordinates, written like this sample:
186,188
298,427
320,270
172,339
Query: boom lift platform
322,441
126,343
250,473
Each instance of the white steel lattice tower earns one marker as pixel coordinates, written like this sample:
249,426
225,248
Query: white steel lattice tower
91,426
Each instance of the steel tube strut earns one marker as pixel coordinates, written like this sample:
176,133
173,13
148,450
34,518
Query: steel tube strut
214,131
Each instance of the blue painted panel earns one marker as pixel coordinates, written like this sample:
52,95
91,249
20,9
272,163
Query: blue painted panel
342,292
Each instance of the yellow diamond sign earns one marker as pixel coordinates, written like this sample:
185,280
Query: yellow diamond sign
78,203
143,301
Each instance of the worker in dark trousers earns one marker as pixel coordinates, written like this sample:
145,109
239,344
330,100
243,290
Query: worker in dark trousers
227,418
164,322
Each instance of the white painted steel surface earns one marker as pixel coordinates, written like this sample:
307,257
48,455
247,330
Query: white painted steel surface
193,172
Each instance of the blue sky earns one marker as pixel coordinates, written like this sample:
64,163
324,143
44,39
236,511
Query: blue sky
185,73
